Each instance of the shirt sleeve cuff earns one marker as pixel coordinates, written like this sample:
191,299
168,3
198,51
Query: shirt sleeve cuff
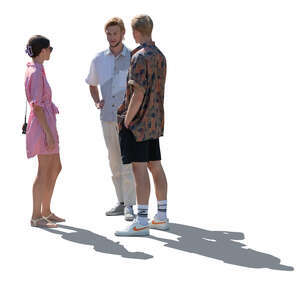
137,85
89,82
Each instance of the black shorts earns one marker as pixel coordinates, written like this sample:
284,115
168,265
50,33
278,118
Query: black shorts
133,151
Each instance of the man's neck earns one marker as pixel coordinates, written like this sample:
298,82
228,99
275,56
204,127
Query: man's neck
117,50
146,40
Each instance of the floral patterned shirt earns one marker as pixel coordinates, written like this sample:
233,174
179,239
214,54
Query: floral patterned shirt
147,71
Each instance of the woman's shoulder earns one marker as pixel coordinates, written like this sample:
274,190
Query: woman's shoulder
34,70
35,66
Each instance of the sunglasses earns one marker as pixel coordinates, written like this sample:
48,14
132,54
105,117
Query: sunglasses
50,48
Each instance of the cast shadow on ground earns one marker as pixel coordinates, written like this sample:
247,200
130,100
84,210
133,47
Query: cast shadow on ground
221,245
100,243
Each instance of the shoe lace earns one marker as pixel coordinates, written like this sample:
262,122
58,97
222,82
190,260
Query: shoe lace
129,209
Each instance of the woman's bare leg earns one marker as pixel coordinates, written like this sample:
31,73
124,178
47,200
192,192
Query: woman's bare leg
41,184
53,174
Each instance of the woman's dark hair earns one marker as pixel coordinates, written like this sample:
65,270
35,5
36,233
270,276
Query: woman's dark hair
35,45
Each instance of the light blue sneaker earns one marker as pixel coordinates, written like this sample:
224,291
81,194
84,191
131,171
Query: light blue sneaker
135,229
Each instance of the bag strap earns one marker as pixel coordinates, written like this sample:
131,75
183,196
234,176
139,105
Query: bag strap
24,127
25,110
25,119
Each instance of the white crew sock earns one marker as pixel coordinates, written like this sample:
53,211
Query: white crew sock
162,210
142,216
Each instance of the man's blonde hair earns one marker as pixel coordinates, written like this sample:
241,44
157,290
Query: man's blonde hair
115,22
142,24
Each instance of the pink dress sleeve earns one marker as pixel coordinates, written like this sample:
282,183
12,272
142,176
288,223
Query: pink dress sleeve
36,88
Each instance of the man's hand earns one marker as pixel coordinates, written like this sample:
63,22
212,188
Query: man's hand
99,104
95,95
134,105
126,122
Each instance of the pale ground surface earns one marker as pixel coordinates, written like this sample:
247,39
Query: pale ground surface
230,151
257,241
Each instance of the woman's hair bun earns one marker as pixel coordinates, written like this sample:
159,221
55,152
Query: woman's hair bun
36,44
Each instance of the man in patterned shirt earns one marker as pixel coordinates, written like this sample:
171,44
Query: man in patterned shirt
141,123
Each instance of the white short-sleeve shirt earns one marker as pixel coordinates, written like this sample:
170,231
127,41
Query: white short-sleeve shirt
110,73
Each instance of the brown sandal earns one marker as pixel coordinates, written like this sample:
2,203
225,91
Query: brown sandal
42,223
53,218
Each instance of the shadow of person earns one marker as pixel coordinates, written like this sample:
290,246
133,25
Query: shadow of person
221,245
100,243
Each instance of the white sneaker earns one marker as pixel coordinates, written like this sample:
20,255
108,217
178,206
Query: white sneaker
135,229
128,213
116,211
158,224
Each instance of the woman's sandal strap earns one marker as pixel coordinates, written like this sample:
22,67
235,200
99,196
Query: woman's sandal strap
48,216
34,221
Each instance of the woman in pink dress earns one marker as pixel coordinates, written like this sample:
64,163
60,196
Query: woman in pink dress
41,134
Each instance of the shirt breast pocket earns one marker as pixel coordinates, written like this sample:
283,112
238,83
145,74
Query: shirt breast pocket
122,80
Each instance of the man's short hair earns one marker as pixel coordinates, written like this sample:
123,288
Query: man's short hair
115,22
142,24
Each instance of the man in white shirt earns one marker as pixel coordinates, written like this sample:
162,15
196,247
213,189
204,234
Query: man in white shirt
109,70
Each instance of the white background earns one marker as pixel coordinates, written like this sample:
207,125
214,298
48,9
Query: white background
230,151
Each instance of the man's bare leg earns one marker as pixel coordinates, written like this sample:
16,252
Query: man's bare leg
160,220
160,180
142,182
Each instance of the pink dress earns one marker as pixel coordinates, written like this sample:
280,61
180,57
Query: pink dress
38,92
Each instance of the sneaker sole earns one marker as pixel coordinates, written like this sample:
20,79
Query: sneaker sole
134,234
159,228
114,214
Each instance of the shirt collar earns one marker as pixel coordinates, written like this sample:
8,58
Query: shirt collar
144,45
107,52
148,44
123,53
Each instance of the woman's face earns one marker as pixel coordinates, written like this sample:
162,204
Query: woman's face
46,53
